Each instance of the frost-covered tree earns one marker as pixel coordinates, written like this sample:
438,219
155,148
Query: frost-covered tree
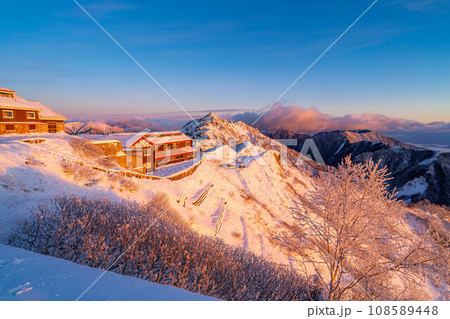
350,232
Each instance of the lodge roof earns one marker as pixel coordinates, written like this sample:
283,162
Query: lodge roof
168,139
19,103
6,90
159,138
47,113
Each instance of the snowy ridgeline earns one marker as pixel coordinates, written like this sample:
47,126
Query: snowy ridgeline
30,276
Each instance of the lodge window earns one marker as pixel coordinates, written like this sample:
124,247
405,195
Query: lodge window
164,146
10,127
10,95
8,114
187,143
175,145
31,115
32,127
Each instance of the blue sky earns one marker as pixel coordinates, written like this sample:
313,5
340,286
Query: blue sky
230,55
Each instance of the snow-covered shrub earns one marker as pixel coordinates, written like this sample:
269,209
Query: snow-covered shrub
435,220
9,181
114,177
85,147
129,185
107,161
79,172
157,245
438,231
122,182
88,150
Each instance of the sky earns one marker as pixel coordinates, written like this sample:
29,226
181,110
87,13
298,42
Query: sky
213,55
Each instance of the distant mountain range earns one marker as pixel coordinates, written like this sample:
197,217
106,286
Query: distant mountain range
417,173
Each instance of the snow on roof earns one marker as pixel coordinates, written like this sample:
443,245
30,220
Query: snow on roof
159,138
18,102
6,90
166,133
47,113
136,138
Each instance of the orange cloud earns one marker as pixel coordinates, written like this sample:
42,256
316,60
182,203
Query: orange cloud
299,119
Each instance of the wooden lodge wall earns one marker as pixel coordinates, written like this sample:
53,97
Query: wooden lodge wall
23,128
20,123
19,116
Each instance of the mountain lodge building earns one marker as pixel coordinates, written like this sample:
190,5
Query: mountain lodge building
149,151
18,115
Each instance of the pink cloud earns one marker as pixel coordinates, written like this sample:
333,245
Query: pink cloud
296,118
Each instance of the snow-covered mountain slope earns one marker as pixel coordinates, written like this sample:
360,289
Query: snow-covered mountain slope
244,205
31,174
213,127
250,202
30,276
211,131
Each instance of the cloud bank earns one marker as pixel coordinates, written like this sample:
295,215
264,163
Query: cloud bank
299,119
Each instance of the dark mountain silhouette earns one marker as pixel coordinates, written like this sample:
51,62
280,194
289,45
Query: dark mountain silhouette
417,173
